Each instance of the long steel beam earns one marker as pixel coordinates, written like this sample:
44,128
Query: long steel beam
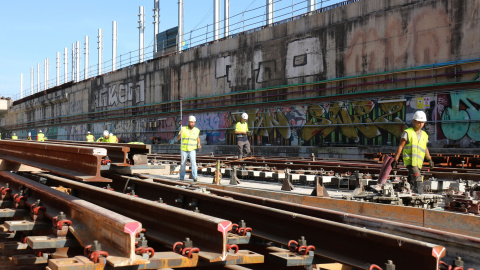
90,222
343,243
134,148
81,163
165,224
116,153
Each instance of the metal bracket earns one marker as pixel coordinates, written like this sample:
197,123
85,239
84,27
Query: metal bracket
287,185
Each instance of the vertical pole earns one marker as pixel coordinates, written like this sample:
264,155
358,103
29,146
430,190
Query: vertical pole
77,61
141,27
47,84
45,74
156,24
311,5
21,85
181,120
100,49
58,69
87,56
216,19
226,27
32,80
38,77
73,62
180,25
65,65
114,45
269,12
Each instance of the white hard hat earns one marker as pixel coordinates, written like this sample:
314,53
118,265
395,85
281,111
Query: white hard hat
420,116
14,134
111,134
192,118
29,134
245,116
105,133
40,131
88,132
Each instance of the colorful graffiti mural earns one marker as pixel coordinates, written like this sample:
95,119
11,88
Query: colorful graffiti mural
460,115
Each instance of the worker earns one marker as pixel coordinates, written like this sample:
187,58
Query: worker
105,138
190,142
112,138
41,137
14,136
90,137
413,142
241,130
29,137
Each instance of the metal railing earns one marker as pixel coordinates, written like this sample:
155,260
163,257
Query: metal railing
253,20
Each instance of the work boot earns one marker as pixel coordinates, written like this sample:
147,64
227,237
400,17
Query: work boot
195,180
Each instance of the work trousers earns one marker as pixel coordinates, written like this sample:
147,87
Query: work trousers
193,162
241,146
415,179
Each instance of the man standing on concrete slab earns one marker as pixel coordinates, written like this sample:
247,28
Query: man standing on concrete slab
414,145
14,136
190,142
241,130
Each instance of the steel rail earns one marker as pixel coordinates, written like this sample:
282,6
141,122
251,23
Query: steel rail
90,222
116,153
81,163
341,167
357,247
164,223
134,148
448,222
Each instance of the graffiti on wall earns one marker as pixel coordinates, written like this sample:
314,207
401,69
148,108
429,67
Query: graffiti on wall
116,95
460,115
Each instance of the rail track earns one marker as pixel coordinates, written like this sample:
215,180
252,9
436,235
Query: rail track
148,222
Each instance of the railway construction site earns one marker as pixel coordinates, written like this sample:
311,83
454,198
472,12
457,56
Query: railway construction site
335,136
79,205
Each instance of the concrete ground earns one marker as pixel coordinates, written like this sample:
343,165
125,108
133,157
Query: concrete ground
262,185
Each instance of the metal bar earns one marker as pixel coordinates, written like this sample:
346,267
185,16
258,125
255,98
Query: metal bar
134,148
165,224
343,243
82,163
116,153
89,221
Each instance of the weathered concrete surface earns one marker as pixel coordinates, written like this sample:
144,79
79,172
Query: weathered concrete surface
140,103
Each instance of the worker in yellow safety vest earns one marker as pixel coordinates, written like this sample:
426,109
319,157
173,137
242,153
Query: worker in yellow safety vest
413,142
29,138
190,142
112,138
14,136
41,137
105,138
90,137
241,130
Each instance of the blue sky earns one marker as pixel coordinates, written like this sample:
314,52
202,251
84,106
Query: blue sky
32,31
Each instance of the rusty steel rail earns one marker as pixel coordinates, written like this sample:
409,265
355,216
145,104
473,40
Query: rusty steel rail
78,162
357,247
116,153
134,148
338,166
164,223
90,222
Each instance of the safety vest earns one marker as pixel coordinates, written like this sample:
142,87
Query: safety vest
90,138
414,150
189,138
135,143
40,137
241,127
29,138
102,139
15,137
112,139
